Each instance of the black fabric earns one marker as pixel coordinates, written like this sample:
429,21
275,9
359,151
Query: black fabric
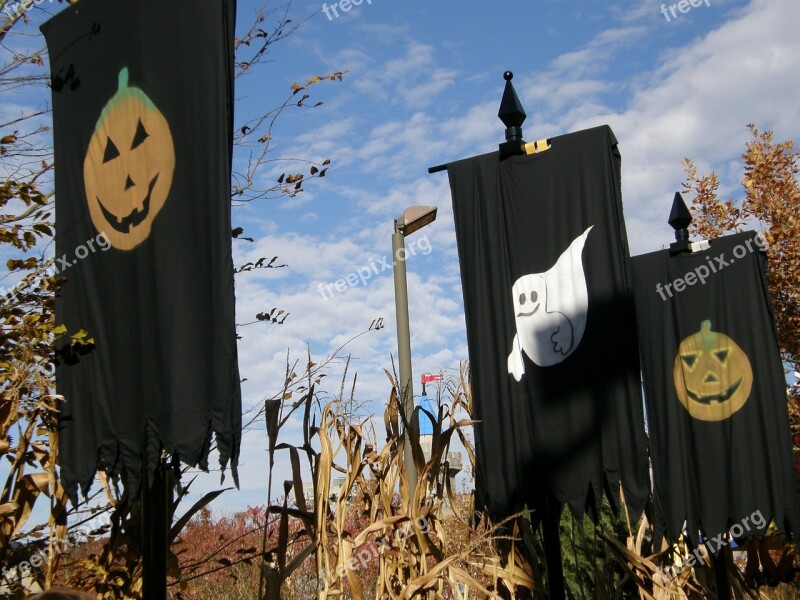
576,427
142,109
714,465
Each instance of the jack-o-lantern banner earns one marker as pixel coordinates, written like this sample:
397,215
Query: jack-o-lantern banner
142,110
715,389
550,325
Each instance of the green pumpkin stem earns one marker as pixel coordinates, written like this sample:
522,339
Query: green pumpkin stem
709,338
123,78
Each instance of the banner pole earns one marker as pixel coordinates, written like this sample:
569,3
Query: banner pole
721,575
155,528
552,548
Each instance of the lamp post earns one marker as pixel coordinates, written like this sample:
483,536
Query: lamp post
412,219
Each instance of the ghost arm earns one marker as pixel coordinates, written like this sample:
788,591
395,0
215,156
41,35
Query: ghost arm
562,336
567,295
516,366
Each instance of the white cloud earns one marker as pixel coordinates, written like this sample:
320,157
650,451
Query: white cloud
695,102
597,54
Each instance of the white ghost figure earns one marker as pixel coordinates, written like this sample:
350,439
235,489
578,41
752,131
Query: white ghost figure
550,311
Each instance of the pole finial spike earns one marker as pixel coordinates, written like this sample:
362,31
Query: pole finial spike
512,115
679,216
679,219
511,112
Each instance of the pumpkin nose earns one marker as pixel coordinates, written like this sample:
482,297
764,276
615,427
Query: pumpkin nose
711,378
129,183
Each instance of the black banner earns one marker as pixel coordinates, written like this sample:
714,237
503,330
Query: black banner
550,325
715,391
142,110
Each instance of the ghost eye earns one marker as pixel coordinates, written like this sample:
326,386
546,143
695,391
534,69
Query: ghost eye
140,135
522,298
111,151
534,296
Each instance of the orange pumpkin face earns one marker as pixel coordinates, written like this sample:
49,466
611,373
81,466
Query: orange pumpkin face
712,374
128,168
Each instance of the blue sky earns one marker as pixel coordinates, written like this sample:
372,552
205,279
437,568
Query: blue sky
422,87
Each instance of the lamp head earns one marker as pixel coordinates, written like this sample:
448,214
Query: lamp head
414,218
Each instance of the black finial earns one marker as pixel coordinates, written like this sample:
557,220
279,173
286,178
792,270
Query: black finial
513,116
679,219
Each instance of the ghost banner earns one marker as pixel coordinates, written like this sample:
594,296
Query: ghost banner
142,110
550,326
549,336
715,390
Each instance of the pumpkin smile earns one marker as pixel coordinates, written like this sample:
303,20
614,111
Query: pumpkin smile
528,314
135,217
718,398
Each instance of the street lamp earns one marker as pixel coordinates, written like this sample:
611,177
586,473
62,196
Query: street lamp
412,219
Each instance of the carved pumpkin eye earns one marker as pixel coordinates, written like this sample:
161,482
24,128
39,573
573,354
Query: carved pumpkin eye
111,151
722,356
690,360
140,135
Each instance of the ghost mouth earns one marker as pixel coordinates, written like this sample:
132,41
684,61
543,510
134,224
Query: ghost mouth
528,314
135,217
715,398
